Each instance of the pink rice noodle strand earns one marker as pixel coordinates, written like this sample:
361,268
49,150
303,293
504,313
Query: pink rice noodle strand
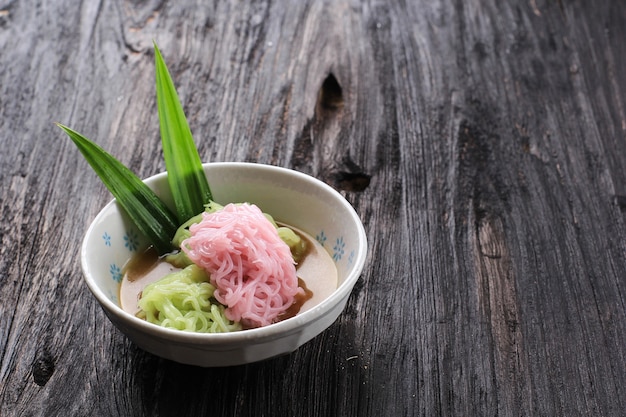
250,266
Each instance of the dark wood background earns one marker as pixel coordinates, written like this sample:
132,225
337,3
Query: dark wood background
483,143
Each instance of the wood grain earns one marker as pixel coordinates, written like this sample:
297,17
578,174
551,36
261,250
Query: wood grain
483,144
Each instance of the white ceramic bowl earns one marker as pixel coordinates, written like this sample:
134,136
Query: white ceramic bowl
291,197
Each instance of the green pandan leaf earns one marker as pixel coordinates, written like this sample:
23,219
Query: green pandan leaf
190,188
143,206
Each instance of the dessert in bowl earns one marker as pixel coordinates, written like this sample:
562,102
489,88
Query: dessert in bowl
291,198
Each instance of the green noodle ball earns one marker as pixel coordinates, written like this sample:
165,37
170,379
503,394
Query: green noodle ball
294,241
183,300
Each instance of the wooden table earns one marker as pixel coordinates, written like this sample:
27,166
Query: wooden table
483,144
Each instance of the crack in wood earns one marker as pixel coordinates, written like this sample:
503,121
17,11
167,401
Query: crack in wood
330,96
351,181
43,368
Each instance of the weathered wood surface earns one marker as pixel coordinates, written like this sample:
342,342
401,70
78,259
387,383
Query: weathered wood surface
483,143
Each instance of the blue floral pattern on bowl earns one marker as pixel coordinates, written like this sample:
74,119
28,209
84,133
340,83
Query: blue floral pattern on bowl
116,273
321,237
351,257
131,240
339,249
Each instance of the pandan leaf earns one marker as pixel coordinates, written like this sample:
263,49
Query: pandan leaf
149,214
190,188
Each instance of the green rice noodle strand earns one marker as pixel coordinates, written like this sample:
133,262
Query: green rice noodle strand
296,244
183,300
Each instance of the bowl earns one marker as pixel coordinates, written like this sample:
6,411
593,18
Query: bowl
289,196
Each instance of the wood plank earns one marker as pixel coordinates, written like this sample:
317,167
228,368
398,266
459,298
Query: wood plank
482,143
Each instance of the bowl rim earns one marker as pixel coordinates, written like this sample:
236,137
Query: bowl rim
272,331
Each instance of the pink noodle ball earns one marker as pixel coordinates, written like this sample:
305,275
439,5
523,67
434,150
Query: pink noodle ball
250,266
